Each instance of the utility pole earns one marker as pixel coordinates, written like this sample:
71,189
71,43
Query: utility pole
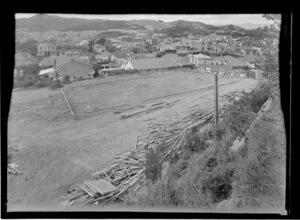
216,99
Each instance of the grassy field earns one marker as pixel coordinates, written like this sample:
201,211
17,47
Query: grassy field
57,151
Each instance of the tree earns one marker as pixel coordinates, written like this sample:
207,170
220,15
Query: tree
29,46
110,48
276,18
32,69
90,46
101,41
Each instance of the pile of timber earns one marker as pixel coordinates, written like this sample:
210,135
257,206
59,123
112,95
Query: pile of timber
169,135
125,174
12,169
142,109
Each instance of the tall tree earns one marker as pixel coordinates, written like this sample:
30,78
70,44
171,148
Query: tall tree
101,41
29,46
90,46
276,18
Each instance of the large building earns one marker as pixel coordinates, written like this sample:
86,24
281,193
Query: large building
46,49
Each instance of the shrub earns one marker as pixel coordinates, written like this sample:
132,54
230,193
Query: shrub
80,78
241,113
25,81
260,175
56,84
41,84
194,143
66,79
153,165
9,158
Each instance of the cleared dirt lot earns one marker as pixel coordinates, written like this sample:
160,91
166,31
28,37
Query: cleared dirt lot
57,151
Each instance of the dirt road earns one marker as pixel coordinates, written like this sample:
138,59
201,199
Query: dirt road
57,151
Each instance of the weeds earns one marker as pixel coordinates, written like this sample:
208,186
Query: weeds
56,84
206,174
153,165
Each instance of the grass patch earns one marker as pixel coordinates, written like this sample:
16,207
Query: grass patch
207,172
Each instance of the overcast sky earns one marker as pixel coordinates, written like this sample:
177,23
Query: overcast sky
208,19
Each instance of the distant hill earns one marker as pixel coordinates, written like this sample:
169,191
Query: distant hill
50,22
249,25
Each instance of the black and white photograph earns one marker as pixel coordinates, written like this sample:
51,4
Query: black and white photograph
147,112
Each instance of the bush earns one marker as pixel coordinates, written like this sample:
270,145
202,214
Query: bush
66,79
56,84
260,175
241,113
153,165
41,84
9,158
26,81
80,78
194,143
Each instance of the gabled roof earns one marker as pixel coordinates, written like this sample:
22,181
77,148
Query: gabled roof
46,71
49,61
120,54
249,58
73,67
232,61
201,56
168,60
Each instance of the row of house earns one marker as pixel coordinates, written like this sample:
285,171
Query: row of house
227,65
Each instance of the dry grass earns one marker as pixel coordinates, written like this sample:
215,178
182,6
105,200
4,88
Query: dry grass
253,177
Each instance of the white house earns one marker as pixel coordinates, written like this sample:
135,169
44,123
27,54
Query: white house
198,59
127,66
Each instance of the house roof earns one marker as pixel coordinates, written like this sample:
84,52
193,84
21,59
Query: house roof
248,58
120,55
74,67
232,61
49,61
46,71
201,56
169,60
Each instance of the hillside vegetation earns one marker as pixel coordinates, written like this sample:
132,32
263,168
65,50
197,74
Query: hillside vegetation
213,172
50,22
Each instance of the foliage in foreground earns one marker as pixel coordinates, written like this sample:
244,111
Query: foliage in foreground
208,172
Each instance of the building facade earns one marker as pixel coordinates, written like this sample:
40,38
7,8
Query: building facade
46,49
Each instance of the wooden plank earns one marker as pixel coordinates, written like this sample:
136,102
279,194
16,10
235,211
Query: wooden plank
102,186
67,101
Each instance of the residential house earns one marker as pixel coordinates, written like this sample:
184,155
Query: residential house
46,49
199,59
250,60
54,61
85,59
102,57
73,52
183,47
74,69
119,57
229,64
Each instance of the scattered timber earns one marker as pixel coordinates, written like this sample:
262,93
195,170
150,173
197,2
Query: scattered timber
126,173
12,169
68,103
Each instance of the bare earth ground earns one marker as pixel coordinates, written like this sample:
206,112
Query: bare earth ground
57,151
